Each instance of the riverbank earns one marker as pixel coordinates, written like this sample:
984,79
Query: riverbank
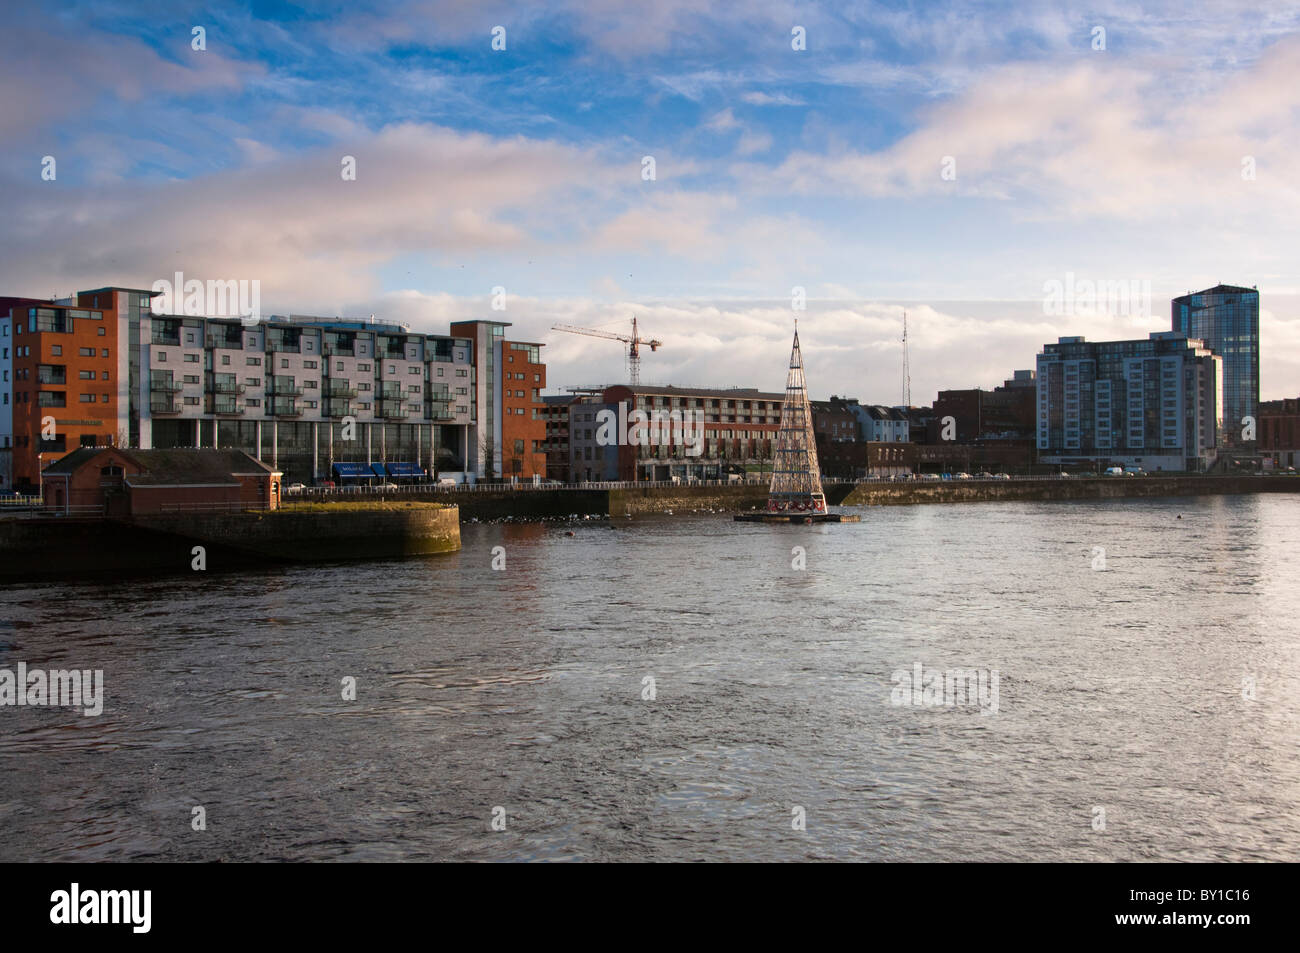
1073,488
489,505
67,547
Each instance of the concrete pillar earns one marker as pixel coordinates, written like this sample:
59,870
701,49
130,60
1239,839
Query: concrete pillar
315,450
259,439
198,432
419,434
216,443
275,444
383,443
370,429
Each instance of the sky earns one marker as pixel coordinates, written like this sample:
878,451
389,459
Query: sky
960,162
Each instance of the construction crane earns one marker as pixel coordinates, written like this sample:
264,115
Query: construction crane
633,344
907,367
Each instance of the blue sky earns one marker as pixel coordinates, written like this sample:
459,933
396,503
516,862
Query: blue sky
820,168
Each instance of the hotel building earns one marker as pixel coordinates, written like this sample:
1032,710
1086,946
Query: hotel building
1226,319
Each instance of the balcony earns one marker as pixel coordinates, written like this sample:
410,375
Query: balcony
172,339
278,409
342,389
393,410
278,387
165,386
226,343
164,408
438,410
336,407
225,387
225,408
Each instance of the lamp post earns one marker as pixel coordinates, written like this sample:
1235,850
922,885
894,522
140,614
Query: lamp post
40,478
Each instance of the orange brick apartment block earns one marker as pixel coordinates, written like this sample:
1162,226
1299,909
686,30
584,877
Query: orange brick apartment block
65,383
523,421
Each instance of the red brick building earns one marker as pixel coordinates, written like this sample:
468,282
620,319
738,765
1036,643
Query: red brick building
64,386
1279,431
122,482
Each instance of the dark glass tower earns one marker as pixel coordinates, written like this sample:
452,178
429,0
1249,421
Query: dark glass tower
1226,318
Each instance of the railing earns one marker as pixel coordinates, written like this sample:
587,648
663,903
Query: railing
234,506
19,502
222,387
166,387
170,407
37,511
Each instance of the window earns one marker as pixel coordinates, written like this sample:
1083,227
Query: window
103,376
284,362
55,349
462,373
440,372
100,332
253,362
413,370
190,378
191,402
310,385
253,402
87,398
160,357
338,365
361,367
87,375
253,381
392,369
309,365
191,358
225,358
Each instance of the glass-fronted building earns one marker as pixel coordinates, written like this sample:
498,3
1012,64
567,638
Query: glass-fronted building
1226,319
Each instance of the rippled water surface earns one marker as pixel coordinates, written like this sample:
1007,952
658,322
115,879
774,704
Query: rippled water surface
1119,689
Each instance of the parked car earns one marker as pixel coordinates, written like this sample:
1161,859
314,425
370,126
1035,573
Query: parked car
1002,476
294,488
387,486
961,476
1114,471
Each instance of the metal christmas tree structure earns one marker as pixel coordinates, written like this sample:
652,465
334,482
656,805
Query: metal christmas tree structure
796,477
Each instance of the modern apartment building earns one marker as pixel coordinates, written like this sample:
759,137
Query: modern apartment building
511,376
1151,403
316,398
1226,319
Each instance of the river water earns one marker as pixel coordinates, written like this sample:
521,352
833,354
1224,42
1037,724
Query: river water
1146,704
